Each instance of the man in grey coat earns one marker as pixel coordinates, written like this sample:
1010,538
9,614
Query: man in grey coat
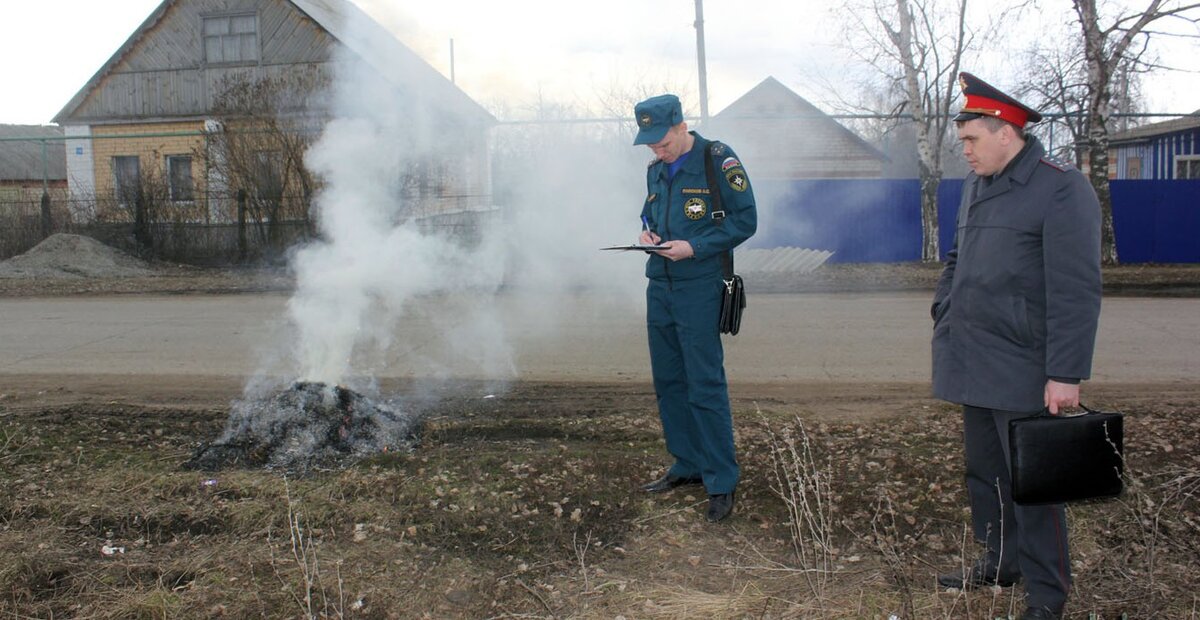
1015,316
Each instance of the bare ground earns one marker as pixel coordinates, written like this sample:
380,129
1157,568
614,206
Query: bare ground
524,504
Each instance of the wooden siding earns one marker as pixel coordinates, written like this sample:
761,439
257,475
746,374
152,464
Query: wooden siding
164,74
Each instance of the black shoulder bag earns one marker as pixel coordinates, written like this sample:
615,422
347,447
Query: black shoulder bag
733,297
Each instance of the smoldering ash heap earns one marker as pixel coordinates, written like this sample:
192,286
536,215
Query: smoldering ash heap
307,426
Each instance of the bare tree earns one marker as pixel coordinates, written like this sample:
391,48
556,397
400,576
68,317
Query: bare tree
1106,49
920,58
263,129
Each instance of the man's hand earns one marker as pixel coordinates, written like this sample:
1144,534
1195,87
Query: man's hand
1060,395
648,238
678,249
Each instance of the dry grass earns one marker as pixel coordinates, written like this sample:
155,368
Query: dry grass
526,506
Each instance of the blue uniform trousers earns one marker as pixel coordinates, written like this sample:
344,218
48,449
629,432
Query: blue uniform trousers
687,361
1030,540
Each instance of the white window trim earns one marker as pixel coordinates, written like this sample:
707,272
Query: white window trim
1183,158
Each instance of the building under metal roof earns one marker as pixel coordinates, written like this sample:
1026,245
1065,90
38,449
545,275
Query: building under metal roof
31,153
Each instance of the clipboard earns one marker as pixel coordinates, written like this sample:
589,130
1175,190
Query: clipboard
638,246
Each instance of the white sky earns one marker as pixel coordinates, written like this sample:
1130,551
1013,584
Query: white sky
511,52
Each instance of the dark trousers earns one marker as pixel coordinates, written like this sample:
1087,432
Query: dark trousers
687,361
1026,540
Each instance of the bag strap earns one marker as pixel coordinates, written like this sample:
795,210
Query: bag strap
718,211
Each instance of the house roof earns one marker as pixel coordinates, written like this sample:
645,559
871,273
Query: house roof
351,27
1145,132
22,160
753,106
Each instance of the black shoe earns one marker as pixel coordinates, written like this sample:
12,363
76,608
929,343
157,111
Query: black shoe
1040,613
719,506
976,577
668,482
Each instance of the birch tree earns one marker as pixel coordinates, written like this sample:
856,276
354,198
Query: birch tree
918,46
1105,48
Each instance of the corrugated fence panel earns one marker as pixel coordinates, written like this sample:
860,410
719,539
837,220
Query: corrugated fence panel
1157,221
879,220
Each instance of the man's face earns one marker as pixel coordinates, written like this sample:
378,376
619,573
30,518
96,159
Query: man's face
672,146
986,151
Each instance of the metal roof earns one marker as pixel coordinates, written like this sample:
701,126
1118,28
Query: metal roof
1145,132
25,160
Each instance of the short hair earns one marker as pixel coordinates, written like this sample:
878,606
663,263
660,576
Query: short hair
995,124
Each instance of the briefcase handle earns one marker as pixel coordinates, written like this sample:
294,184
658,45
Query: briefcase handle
1086,411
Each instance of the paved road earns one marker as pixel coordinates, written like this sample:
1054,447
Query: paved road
836,337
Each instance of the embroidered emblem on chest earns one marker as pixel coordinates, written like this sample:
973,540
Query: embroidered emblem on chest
695,208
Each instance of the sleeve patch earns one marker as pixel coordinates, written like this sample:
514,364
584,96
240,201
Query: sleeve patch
730,162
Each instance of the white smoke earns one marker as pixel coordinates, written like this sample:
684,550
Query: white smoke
380,265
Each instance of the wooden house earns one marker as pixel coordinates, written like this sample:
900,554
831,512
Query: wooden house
781,136
1166,150
152,109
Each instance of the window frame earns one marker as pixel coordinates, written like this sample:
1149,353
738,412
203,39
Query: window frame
188,195
1192,163
119,184
229,36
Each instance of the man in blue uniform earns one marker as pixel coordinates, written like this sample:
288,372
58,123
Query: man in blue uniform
1015,316
684,294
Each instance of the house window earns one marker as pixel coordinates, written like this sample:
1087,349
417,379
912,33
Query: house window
231,39
127,179
179,177
1187,166
268,177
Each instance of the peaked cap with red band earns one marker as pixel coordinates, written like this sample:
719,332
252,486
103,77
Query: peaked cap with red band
985,100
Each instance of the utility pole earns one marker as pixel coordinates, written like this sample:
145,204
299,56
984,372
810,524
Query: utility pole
700,61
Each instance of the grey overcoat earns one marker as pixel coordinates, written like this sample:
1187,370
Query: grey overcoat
1019,298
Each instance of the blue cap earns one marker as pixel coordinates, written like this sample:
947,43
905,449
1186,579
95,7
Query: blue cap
655,116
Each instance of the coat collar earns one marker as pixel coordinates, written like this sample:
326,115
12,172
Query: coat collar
1017,171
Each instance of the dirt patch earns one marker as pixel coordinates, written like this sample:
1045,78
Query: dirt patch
525,504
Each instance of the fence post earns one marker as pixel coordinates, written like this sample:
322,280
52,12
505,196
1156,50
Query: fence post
47,224
241,206
141,227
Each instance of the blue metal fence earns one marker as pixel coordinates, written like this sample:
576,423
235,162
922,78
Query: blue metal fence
879,220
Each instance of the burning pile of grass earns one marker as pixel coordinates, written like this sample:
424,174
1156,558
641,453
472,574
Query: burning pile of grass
306,426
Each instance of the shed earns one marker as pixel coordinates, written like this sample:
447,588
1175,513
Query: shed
1166,150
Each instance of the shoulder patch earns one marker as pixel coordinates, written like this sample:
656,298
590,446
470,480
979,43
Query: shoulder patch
718,148
1057,163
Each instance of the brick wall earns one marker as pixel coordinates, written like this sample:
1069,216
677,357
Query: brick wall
109,141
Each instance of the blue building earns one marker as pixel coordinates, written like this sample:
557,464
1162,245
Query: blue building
1169,150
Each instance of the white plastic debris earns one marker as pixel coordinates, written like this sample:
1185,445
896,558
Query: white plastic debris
111,550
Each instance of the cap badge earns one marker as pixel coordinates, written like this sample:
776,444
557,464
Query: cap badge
644,120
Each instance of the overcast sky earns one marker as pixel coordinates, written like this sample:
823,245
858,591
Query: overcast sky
511,52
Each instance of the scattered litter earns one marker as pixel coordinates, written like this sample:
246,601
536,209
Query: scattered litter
211,482
489,396
111,550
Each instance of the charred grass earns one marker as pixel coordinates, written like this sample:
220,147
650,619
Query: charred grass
526,506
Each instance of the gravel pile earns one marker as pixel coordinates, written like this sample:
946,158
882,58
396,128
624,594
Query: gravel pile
74,256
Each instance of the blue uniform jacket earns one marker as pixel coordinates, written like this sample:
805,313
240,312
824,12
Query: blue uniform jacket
1019,298
681,208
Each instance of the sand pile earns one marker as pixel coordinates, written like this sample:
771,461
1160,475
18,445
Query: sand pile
74,256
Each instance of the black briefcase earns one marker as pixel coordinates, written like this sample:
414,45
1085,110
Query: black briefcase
1066,458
